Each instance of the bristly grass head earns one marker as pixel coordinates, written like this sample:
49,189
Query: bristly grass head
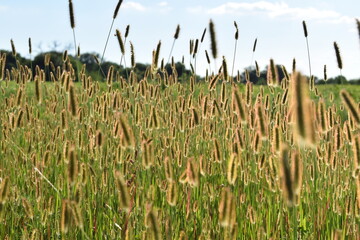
30,46
213,39
254,47
13,49
72,17
237,31
177,32
121,42
127,30
338,56
133,63
305,29
117,9
203,35
350,105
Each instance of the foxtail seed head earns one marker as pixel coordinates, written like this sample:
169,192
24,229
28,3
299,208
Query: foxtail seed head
177,32
350,105
121,42
213,39
338,56
123,192
117,8
71,12
305,29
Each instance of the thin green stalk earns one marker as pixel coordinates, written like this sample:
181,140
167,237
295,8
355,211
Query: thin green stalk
107,41
74,42
232,71
308,51
172,47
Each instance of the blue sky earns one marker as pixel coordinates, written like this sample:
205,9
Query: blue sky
276,24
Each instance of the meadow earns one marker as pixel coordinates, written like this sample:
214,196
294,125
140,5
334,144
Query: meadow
158,157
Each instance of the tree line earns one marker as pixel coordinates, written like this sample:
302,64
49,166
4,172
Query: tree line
97,71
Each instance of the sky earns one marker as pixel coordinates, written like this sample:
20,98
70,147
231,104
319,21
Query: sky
276,24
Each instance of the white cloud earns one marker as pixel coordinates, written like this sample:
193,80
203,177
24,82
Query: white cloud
3,8
134,6
163,4
195,10
274,10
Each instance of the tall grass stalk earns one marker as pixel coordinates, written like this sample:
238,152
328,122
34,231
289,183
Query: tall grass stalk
236,40
116,11
176,36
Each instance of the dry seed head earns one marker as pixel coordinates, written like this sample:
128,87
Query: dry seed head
110,75
276,139
123,192
322,116
133,64
127,136
261,120
350,105
157,54
294,66
191,46
19,96
121,42
213,39
248,93
257,69
168,169
30,46
99,138
301,104
203,35
47,59
72,165
37,89
192,172
238,105
227,209
71,12
28,208
13,49
356,151
172,193
19,118
232,168
72,100
76,212
325,74
147,154
217,151
66,216
296,172
254,46
237,31
338,56
152,223
196,47
127,30
117,8
177,32
225,71
4,190
213,81
286,176
272,74
305,29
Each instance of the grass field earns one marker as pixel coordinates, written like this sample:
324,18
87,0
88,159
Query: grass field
163,160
